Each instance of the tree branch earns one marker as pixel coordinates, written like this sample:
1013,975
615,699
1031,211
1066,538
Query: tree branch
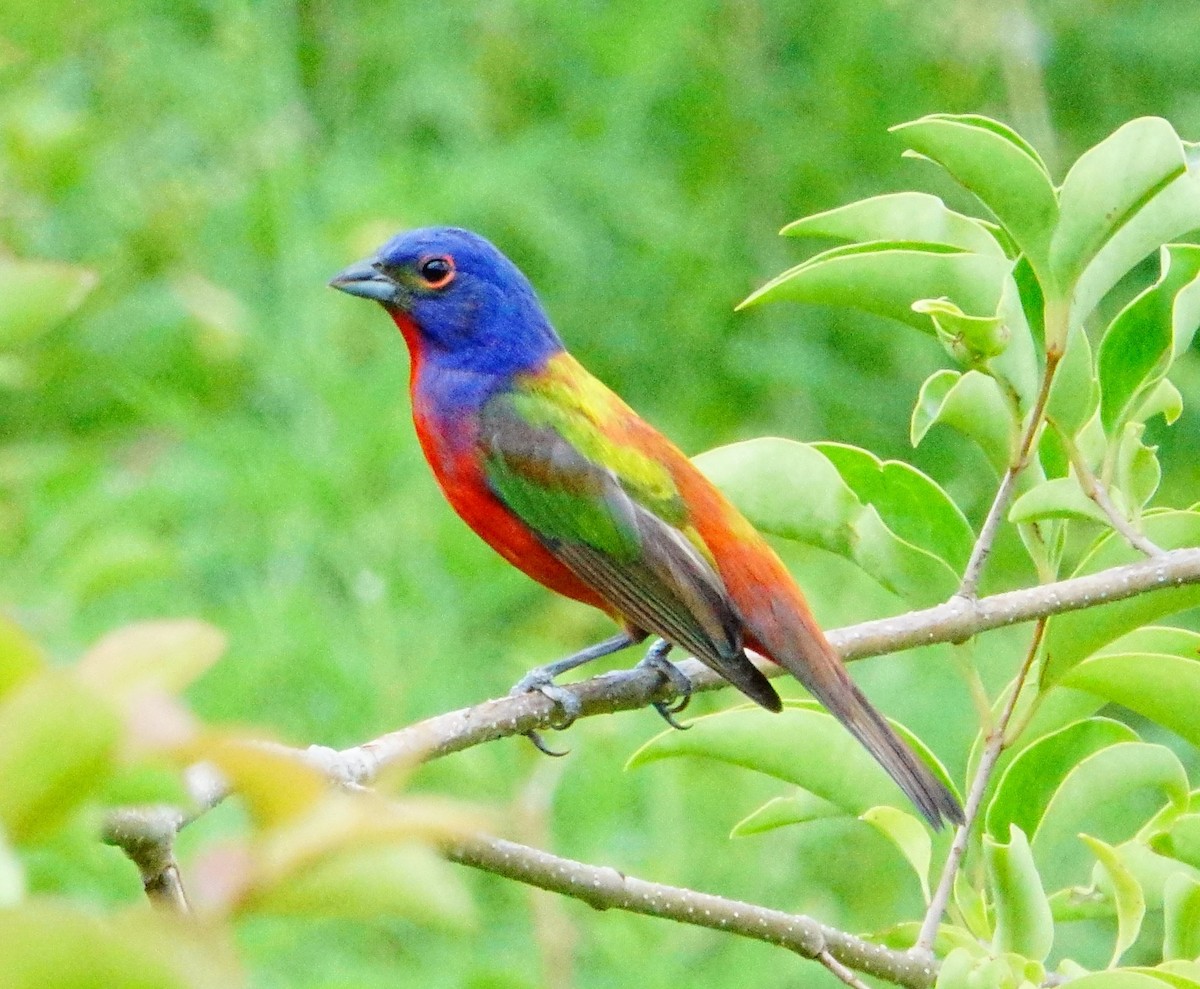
605,888
1094,488
983,775
954,621
147,834
969,587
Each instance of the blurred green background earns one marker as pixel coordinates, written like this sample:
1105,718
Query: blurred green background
215,433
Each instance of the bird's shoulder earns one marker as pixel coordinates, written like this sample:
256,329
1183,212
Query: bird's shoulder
565,424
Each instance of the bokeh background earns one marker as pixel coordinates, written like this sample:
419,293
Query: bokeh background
214,433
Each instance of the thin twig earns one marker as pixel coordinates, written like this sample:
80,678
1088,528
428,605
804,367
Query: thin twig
605,888
1094,488
969,588
979,785
841,971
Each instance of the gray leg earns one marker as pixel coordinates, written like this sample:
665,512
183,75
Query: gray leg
541,679
656,659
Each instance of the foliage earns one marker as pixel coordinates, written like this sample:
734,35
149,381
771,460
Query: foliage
209,433
1080,822
110,732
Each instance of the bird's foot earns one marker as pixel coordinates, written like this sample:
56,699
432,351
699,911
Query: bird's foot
566,705
656,659
541,681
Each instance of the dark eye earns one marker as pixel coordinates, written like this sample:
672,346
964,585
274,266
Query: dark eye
437,271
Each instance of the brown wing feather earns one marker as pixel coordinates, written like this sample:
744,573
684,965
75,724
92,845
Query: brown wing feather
675,594
662,585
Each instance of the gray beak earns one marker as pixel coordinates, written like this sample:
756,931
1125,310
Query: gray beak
367,282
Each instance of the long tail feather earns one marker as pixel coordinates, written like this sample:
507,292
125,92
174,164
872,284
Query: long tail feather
815,664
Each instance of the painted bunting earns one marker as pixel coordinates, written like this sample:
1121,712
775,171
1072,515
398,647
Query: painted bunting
570,485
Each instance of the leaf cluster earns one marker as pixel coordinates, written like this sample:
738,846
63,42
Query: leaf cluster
110,733
1086,821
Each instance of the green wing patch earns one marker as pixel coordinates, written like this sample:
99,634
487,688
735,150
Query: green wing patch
578,411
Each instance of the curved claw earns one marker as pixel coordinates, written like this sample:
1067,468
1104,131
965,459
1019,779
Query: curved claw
656,659
668,713
540,744
680,705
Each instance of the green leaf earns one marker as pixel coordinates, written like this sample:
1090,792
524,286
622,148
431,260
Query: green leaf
52,944
1106,189
970,340
1155,639
35,296
1023,921
791,490
911,504
1032,300
1163,687
800,808
20,657
1164,398
167,655
909,835
955,972
1137,472
1075,392
1118,979
972,905
1000,168
57,744
887,277
1030,781
1148,334
1125,892
963,969
971,404
1060,498
1072,637
1150,869
899,216
1110,793
803,745
1176,972
1181,917
1081,903
1170,214
1180,841
12,876
365,883
1018,365
1055,709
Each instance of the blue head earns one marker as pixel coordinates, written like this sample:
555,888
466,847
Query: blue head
467,306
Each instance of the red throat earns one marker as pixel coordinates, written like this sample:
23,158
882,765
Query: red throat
458,474
408,329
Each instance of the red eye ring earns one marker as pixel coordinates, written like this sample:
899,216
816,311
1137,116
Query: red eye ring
437,271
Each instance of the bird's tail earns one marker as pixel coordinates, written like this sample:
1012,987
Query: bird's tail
813,661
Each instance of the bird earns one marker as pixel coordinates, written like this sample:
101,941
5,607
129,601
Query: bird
570,485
